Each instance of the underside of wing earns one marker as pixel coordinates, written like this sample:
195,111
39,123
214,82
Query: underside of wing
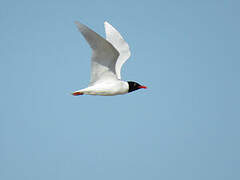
104,55
115,38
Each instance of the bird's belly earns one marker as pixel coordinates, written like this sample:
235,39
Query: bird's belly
106,90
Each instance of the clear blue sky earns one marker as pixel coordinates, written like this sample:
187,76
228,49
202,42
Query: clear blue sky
185,126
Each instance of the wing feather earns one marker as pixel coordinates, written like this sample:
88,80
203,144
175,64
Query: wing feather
115,38
104,55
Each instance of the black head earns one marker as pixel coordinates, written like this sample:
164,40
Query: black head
133,86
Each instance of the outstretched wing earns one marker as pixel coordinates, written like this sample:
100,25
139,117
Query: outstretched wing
115,38
104,55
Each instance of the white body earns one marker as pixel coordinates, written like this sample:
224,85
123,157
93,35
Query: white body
106,88
108,56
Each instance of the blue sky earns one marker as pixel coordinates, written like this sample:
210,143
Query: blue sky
184,126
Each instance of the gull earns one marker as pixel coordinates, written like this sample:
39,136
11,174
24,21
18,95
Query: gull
108,56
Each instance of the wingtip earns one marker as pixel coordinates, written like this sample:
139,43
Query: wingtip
77,23
106,24
81,27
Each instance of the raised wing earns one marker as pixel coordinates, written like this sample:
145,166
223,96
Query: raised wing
115,38
104,55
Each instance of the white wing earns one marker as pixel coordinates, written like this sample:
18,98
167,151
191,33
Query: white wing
115,38
104,55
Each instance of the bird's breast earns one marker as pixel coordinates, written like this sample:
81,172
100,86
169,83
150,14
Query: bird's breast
109,88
